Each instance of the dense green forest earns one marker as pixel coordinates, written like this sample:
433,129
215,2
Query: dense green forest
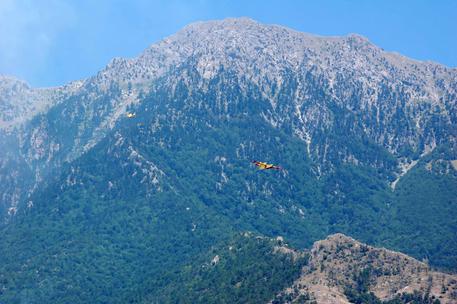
246,269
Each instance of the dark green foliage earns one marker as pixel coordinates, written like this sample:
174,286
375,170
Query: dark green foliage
359,293
97,253
424,218
245,270
362,298
413,298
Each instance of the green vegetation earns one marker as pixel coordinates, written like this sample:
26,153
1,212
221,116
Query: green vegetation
423,215
125,221
247,269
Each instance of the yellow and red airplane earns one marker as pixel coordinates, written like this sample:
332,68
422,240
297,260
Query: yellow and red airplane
265,166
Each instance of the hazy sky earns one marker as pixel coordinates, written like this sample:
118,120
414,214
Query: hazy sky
51,42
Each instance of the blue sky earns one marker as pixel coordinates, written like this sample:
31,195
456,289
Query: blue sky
51,42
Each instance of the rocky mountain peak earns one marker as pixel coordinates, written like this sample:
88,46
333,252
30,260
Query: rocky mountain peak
265,54
18,100
337,239
339,264
11,84
241,44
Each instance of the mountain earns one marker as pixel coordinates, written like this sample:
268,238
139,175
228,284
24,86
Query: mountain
100,207
338,269
343,270
311,85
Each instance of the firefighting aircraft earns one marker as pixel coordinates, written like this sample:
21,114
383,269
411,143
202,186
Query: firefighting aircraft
265,166
131,115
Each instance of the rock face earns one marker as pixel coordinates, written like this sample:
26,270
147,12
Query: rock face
19,102
340,262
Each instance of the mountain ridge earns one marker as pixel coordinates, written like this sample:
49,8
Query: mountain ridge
335,270
119,63
338,263
367,143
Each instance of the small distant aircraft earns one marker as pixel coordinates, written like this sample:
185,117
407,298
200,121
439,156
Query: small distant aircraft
265,166
131,115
